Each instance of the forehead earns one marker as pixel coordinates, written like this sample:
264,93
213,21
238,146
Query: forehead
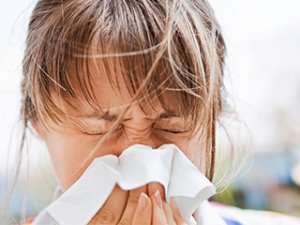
112,92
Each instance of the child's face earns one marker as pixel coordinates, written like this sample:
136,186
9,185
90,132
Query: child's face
68,147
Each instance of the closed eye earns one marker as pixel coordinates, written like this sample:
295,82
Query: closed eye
98,131
174,126
173,131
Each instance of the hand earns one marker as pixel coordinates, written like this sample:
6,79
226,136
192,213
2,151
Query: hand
162,212
142,206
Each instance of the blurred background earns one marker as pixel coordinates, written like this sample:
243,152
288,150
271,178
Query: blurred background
263,79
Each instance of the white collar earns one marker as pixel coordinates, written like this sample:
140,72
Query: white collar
208,215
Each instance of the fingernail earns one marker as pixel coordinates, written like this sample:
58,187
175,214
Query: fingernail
142,201
158,198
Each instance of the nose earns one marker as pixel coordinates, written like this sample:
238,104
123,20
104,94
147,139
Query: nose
140,132
138,129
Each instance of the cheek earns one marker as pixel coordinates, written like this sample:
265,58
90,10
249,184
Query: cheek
195,153
67,153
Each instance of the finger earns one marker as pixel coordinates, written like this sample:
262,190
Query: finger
143,211
131,205
158,215
112,209
176,213
153,187
169,214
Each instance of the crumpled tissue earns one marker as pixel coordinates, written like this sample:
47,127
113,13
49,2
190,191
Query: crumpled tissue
137,165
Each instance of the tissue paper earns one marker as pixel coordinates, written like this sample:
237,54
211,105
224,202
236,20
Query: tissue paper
137,165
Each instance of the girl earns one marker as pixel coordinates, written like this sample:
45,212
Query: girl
101,75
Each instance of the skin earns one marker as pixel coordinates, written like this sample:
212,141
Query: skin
68,146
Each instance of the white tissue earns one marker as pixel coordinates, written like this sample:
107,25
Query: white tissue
137,165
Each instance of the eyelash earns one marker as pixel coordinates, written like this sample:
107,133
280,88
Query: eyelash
90,133
165,130
174,132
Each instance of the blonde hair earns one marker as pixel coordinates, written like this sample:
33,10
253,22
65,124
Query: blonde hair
154,45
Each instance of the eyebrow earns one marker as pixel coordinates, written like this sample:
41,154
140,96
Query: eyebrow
109,116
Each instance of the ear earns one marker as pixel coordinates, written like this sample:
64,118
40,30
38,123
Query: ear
38,129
